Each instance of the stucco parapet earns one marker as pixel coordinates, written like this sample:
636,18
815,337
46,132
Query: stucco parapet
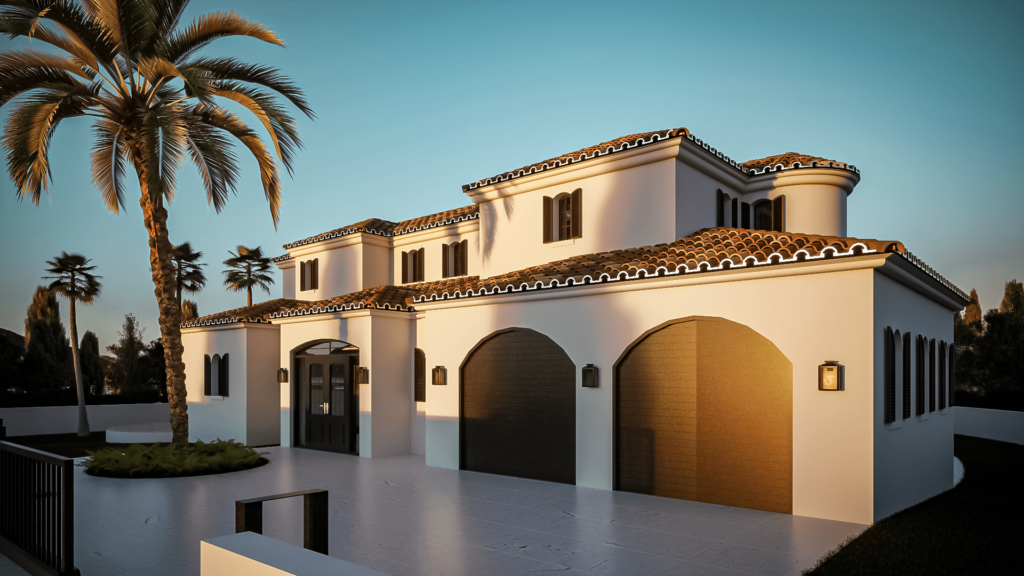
911,272
230,326
844,179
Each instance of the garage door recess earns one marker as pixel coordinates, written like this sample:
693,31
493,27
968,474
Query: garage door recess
704,411
518,408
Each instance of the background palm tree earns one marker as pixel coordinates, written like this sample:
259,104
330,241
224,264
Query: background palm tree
189,311
129,66
188,271
73,279
248,268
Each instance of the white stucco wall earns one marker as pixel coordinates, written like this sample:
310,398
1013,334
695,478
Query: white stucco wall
289,285
696,194
431,241
914,456
624,208
793,312
815,197
213,417
262,394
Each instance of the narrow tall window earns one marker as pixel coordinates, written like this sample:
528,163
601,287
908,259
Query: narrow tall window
309,272
890,376
207,375
457,258
735,221
906,375
763,215
745,209
952,375
779,214
215,375
420,381
931,375
412,265
565,217
224,375
719,208
920,374
942,376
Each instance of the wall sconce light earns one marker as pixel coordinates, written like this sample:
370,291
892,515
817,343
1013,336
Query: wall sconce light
282,375
362,375
439,376
590,376
832,376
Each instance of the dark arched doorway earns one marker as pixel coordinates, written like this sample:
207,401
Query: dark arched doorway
704,411
518,408
328,418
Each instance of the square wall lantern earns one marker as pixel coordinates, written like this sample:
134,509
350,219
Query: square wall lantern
282,375
590,376
362,375
439,376
832,376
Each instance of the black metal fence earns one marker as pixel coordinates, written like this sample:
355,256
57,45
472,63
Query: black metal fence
37,510
249,517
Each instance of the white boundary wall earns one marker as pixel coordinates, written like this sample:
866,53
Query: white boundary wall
251,554
64,419
1002,425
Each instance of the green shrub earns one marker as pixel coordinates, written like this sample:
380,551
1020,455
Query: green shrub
168,460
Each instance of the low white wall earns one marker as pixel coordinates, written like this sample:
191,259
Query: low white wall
251,554
1003,425
64,419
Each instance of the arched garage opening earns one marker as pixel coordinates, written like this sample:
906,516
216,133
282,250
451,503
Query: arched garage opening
704,411
517,413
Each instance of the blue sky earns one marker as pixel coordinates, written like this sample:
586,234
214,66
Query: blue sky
415,99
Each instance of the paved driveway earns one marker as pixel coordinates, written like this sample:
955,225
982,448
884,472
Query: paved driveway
398,516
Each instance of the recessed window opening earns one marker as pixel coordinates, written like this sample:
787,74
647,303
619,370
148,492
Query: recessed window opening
563,216
762,215
309,275
412,266
215,375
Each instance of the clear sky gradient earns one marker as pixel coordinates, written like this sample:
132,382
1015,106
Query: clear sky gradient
415,99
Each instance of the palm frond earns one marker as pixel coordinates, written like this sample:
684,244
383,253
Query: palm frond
73,278
267,76
209,27
212,153
22,18
158,70
269,174
164,133
14,60
282,127
29,129
15,81
108,157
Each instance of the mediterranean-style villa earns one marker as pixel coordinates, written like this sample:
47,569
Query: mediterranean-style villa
644,315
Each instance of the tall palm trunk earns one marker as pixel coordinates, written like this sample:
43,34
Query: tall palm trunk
250,295
83,415
160,250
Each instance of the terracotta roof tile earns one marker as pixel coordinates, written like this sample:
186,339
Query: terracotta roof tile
771,163
387,228
792,160
708,250
257,313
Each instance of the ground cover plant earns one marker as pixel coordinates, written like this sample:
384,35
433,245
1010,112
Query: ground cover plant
972,529
166,460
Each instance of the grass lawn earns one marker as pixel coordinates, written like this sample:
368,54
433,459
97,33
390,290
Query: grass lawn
974,528
67,445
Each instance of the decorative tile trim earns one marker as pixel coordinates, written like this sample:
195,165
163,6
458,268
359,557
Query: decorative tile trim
339,308
910,257
384,231
829,252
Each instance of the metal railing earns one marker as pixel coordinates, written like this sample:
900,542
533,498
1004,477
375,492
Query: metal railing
37,510
249,517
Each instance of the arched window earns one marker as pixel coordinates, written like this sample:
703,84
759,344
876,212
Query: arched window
215,375
337,389
890,376
412,265
762,215
316,389
942,376
931,375
920,374
309,275
420,377
563,216
906,375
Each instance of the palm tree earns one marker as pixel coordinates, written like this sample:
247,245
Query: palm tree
154,102
73,279
189,311
188,271
248,268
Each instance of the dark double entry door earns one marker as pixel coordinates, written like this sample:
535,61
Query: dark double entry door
331,402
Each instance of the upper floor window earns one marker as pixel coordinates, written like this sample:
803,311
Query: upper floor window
763,215
455,259
412,266
309,275
563,216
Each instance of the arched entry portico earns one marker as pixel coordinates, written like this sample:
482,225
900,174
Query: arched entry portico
328,400
704,411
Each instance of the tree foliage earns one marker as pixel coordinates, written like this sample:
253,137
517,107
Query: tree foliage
188,271
92,364
189,311
125,374
990,350
46,365
248,268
